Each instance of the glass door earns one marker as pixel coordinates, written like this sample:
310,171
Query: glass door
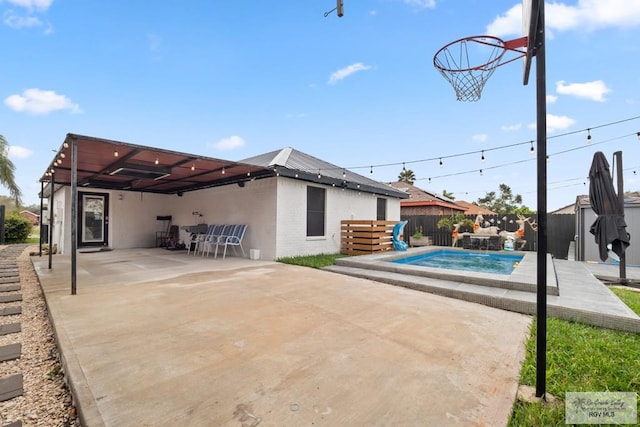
93,219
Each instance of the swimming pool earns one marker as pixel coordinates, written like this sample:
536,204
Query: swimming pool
467,261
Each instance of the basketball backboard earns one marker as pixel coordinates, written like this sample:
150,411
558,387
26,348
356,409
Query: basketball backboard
530,15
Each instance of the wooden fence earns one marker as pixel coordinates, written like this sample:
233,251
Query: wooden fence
360,237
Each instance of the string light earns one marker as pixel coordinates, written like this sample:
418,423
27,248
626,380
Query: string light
441,162
65,144
532,150
344,173
319,174
222,172
429,180
63,155
371,171
480,172
193,166
248,173
403,168
588,136
157,161
482,158
115,153
638,135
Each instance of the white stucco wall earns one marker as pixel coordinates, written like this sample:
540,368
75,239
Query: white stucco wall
274,210
292,237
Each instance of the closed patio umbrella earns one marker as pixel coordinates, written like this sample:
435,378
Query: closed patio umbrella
609,226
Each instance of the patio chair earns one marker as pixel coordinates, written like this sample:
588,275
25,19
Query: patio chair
234,239
219,233
198,238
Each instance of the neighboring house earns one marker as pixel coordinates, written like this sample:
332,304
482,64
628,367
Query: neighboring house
292,202
473,209
421,202
586,248
32,217
566,210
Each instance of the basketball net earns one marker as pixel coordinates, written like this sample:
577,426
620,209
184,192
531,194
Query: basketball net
468,63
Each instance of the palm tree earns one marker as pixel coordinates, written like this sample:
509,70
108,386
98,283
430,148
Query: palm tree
7,170
407,175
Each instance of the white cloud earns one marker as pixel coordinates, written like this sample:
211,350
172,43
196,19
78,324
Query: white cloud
17,22
17,152
39,5
36,101
422,4
585,15
555,123
481,137
347,71
511,128
230,143
594,90
551,99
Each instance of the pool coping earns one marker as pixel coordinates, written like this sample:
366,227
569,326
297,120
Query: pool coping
523,278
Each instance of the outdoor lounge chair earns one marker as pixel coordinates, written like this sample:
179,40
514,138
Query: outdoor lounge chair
233,239
212,239
198,239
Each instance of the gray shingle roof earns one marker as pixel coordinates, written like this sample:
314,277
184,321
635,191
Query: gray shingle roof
296,164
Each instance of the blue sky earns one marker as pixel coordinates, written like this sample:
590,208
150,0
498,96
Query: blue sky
237,79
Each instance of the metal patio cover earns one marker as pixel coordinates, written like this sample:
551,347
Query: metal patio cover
108,164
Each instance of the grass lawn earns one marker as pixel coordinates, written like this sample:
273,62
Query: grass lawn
580,358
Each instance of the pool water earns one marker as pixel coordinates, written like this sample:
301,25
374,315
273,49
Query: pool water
468,261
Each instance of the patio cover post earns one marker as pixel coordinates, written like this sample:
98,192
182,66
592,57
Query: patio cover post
51,188
41,216
74,211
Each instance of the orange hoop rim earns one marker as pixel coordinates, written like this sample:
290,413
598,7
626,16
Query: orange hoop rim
511,45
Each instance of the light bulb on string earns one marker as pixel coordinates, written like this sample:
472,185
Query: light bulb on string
532,150
222,172
115,153
441,164
404,169
481,172
344,173
371,171
157,161
193,167
588,136
482,157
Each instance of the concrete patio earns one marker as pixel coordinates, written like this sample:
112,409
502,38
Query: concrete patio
155,337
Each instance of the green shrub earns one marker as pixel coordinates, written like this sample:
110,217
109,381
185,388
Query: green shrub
16,228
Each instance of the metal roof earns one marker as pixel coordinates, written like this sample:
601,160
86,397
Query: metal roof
296,164
109,164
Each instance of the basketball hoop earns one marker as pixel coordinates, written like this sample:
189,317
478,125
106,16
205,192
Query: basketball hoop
468,63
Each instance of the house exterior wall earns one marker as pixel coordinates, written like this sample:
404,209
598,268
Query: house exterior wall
292,237
274,210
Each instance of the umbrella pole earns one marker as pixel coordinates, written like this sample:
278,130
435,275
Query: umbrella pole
623,262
